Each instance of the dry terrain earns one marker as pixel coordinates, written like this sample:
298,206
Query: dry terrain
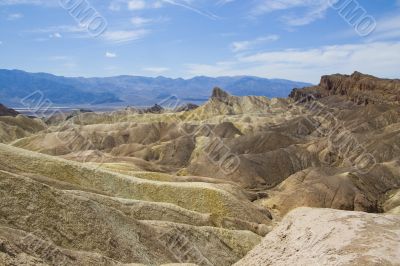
223,183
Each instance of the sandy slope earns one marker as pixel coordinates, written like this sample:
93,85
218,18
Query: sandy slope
329,237
114,218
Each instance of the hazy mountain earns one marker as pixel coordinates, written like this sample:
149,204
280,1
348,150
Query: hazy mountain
16,85
131,90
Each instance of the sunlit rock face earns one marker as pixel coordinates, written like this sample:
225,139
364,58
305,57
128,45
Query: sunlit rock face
329,237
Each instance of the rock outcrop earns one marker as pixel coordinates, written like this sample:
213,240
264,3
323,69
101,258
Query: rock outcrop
329,237
186,107
4,111
358,87
221,103
219,94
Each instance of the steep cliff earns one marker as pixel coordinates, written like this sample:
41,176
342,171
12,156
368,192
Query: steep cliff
358,87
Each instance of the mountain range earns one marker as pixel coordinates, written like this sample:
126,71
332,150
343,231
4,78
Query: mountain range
16,85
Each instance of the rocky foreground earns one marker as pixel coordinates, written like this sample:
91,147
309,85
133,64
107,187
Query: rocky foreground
204,185
329,237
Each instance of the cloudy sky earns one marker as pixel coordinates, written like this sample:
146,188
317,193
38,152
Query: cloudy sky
292,39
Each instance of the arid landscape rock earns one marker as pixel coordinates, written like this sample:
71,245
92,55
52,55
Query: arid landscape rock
329,237
138,186
19,126
358,88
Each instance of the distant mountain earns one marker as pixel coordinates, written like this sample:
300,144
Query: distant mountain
132,90
16,85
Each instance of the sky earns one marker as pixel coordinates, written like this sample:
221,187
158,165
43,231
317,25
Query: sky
291,39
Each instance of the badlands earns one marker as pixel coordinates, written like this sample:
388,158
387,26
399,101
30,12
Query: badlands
312,179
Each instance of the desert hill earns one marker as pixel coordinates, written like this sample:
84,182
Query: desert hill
14,126
47,196
276,141
219,176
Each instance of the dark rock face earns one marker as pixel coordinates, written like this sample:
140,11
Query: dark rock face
78,112
4,111
156,109
306,94
186,107
219,94
359,88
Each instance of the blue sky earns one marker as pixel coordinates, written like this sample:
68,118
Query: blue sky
292,39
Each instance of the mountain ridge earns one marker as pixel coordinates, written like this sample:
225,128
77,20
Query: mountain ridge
360,88
132,90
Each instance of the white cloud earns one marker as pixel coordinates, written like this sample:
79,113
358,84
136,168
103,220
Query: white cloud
15,16
387,28
308,17
157,4
378,58
156,70
117,5
188,4
266,6
110,55
224,2
55,35
140,21
60,28
240,46
307,11
67,31
246,45
124,35
57,32
114,6
60,58
136,5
